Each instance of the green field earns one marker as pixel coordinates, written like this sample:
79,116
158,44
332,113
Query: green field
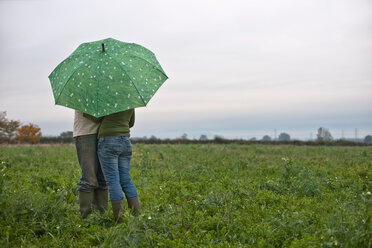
195,196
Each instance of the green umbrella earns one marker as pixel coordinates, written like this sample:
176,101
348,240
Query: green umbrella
107,76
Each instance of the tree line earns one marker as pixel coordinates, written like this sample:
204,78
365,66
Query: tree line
220,140
13,132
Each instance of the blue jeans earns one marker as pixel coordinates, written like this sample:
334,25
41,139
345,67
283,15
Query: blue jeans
91,174
115,154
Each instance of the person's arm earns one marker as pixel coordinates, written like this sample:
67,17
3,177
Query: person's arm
92,118
132,119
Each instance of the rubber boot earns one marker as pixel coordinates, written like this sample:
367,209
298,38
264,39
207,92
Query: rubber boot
134,204
85,200
100,200
116,206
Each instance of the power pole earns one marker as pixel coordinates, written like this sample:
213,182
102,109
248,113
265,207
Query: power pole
274,134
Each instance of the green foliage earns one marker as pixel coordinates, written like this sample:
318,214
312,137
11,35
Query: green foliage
195,196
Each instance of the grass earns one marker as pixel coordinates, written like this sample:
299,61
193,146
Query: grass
195,196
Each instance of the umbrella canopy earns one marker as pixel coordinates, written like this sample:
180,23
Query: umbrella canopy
107,76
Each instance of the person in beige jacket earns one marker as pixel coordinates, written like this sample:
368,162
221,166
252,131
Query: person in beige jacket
92,186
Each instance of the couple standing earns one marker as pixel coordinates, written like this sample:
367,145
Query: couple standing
106,166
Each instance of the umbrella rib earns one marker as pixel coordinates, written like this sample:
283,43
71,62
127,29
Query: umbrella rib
161,69
118,64
68,79
151,64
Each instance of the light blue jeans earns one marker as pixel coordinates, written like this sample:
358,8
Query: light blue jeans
114,155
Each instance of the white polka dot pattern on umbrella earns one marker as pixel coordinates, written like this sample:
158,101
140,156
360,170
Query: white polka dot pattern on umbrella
124,76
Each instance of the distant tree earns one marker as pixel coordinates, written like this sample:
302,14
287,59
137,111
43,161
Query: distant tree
67,134
10,129
203,137
324,134
266,138
7,128
2,116
253,139
284,137
184,136
368,139
2,123
29,133
219,139
153,137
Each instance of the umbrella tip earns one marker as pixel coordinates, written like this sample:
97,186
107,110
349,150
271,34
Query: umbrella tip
103,47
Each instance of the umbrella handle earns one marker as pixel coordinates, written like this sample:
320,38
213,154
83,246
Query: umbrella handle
103,47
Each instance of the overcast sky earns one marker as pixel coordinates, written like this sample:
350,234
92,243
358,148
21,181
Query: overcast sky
239,69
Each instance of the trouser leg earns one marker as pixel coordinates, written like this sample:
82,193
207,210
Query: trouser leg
126,182
108,156
92,178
